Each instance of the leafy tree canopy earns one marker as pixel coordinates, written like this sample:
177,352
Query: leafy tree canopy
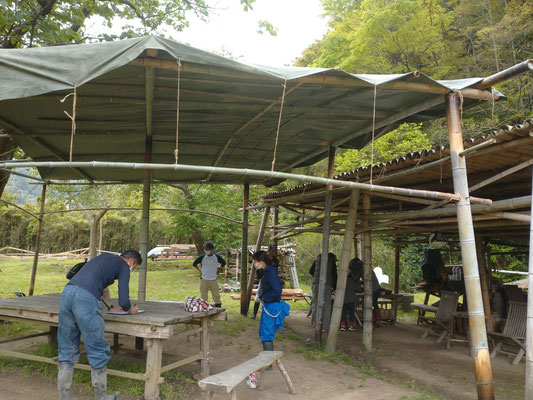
27,23
407,138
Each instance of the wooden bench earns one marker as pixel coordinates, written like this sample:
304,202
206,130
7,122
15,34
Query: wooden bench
227,381
514,331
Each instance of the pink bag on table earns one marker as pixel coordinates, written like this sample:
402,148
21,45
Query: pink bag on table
196,304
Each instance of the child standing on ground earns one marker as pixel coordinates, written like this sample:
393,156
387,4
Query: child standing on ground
348,308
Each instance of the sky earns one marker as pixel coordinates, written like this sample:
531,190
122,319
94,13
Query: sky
231,30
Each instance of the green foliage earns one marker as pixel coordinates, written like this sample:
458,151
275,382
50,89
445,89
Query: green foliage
405,139
43,23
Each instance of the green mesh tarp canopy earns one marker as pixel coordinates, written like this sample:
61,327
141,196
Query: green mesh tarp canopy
228,111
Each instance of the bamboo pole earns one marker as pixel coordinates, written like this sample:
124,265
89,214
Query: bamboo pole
244,248
506,74
243,173
37,242
276,222
507,204
477,147
501,175
397,249
343,273
529,324
479,344
260,236
367,279
484,280
145,218
325,250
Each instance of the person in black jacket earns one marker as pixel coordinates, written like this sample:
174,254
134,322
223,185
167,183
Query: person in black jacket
331,285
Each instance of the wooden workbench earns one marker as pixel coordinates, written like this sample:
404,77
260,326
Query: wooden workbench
157,324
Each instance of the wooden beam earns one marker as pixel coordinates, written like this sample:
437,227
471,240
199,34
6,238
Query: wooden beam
501,175
244,247
37,241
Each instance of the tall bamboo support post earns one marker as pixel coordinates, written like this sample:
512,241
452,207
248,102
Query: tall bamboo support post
145,219
37,242
343,272
529,324
260,237
147,181
367,260
276,223
478,333
484,280
244,248
397,249
325,250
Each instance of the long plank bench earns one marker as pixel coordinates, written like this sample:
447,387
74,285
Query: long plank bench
227,381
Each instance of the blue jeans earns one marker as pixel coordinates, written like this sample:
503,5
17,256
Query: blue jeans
81,313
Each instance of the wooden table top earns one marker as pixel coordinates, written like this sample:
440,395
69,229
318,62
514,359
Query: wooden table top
158,313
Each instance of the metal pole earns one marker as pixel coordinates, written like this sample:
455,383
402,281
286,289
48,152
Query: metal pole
529,324
343,272
319,323
260,236
367,279
478,333
37,241
244,248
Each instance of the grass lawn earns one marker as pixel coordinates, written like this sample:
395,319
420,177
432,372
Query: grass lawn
166,280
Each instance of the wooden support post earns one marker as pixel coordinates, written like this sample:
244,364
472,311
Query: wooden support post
397,249
260,236
367,279
286,377
276,223
116,344
244,248
529,323
478,333
52,336
37,242
204,348
484,281
153,368
145,219
343,272
319,321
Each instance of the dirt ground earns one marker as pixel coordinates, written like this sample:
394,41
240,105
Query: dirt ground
402,366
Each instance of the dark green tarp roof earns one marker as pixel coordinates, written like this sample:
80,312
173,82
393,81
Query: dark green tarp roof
228,111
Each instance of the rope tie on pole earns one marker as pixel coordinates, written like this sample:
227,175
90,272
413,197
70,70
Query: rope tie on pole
177,110
460,95
279,124
373,131
72,118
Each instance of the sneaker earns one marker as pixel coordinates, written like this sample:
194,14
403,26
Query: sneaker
343,327
351,327
252,382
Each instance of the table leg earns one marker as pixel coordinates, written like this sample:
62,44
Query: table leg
52,336
116,344
153,368
204,348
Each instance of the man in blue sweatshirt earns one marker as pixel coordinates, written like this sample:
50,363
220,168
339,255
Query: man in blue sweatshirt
80,313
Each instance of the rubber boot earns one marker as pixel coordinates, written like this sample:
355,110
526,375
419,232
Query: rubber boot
99,378
257,304
268,346
64,380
